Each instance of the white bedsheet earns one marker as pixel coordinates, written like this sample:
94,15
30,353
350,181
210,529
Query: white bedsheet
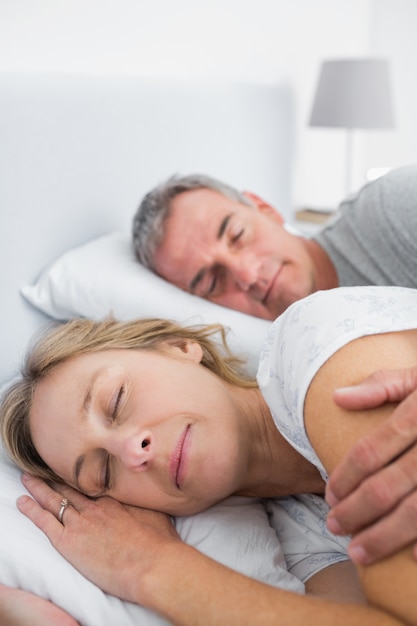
235,532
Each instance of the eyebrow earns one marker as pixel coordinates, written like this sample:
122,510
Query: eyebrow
201,273
223,226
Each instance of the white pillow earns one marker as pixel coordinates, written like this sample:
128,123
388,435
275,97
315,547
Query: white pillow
235,532
103,276
93,280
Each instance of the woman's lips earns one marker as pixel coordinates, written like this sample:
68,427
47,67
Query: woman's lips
178,458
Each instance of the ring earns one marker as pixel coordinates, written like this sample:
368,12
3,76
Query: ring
64,503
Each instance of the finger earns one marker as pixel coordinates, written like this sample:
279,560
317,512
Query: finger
77,499
40,489
376,496
48,498
392,533
42,518
380,387
377,448
45,495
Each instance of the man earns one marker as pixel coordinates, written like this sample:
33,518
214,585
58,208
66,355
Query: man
375,487
235,249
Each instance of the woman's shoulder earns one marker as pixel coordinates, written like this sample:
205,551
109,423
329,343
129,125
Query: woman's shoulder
325,320
376,298
303,338
354,310
312,329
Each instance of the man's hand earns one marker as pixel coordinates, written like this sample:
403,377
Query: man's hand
373,491
112,544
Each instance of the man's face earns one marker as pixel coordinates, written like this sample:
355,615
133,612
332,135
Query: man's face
234,255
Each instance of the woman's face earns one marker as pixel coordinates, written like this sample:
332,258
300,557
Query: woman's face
151,429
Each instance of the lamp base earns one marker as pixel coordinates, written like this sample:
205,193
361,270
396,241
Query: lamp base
349,161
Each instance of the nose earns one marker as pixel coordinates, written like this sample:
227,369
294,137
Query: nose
244,270
137,450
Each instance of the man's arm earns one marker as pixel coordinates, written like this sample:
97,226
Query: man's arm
374,488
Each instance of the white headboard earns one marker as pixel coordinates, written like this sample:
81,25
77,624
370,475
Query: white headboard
77,153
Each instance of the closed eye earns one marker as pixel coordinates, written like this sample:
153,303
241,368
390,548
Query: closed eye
117,402
106,468
215,281
106,480
236,237
213,284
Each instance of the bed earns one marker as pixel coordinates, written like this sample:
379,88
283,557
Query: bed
76,155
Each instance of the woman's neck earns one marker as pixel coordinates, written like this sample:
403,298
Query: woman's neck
275,468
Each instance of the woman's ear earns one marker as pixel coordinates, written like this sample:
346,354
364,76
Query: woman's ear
192,350
264,206
185,348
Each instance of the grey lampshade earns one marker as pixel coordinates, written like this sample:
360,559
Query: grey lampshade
353,93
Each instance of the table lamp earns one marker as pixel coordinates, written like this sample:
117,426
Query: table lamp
353,94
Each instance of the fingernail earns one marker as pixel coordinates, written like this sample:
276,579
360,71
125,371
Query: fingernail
345,390
26,477
358,555
334,526
331,498
21,500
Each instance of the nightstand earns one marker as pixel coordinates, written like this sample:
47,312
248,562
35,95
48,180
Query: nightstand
309,220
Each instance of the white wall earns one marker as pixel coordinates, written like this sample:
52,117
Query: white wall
393,35
239,40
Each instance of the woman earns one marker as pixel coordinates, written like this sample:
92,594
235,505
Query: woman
171,426
18,608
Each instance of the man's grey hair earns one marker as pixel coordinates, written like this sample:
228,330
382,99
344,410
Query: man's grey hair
150,219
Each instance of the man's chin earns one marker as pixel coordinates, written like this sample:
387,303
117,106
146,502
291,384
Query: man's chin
281,307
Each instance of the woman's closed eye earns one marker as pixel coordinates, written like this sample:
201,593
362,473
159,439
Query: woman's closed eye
117,398
114,411
106,474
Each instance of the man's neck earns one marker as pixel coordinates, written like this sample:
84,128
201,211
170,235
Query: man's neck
325,272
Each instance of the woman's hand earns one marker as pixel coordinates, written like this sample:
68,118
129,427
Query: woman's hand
112,544
18,607
374,488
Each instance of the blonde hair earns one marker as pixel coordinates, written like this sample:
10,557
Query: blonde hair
81,336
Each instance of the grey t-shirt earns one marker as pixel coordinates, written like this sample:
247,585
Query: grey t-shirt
373,240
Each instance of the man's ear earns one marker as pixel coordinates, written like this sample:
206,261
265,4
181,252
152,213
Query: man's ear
264,206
